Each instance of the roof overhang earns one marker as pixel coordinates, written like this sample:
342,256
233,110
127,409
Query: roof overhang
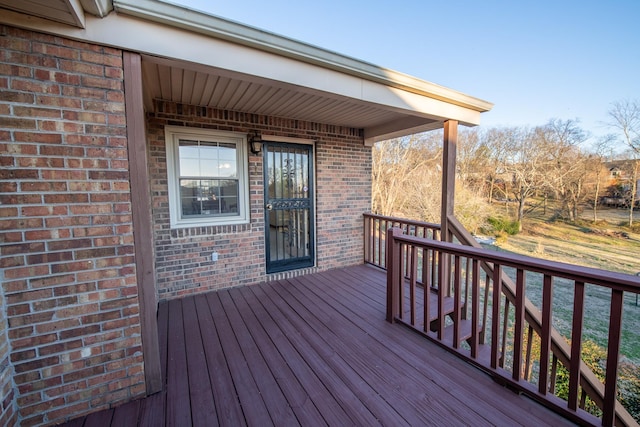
200,59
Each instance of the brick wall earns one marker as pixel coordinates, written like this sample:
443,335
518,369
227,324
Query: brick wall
68,271
343,193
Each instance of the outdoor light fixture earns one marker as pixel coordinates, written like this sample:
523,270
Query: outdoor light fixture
255,142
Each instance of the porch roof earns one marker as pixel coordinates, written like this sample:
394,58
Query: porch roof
200,59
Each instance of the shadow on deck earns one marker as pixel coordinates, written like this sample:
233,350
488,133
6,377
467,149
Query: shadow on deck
313,350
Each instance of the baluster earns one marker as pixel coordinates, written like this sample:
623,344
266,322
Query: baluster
393,254
519,325
443,283
402,277
425,268
465,307
485,308
527,366
545,336
412,282
382,224
427,294
613,353
576,345
495,314
449,275
367,239
377,240
475,306
434,268
456,301
554,372
505,324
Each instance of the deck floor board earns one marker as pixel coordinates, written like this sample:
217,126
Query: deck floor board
313,350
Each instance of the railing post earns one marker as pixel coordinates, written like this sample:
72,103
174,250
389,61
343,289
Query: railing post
394,272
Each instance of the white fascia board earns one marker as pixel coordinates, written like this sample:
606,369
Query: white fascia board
237,33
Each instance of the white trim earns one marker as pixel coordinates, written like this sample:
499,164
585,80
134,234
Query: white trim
172,135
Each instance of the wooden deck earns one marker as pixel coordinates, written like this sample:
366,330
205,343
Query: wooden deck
313,350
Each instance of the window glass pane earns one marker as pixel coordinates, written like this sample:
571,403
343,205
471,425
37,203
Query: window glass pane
189,197
188,149
227,152
228,187
208,168
209,150
189,167
227,169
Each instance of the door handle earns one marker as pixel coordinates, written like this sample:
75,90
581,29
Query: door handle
269,206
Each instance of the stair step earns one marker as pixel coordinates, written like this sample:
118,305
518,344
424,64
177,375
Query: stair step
464,331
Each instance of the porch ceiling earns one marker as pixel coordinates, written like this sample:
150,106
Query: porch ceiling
219,89
70,12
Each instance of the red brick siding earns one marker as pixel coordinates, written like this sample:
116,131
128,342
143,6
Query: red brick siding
67,260
343,193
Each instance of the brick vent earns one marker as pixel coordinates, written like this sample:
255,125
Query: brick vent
69,277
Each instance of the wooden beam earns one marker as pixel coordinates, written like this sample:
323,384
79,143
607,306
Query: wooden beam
141,214
448,177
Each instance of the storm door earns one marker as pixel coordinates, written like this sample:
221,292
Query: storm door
288,195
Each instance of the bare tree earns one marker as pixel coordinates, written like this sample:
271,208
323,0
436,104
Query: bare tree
624,116
565,163
525,163
396,163
472,158
407,182
595,164
496,142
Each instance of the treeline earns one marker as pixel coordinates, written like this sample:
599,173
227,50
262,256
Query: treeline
526,166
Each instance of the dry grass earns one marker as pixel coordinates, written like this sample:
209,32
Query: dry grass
605,245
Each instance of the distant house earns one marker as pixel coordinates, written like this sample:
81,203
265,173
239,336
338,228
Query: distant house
620,182
150,151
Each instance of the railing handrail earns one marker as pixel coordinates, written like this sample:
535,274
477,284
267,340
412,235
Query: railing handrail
403,221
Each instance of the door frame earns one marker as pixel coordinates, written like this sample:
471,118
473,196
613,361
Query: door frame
285,141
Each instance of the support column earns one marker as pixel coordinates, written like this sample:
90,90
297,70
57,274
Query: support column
450,143
141,215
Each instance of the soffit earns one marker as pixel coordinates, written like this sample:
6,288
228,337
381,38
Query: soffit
65,11
222,90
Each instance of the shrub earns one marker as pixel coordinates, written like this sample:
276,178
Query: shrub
595,357
507,226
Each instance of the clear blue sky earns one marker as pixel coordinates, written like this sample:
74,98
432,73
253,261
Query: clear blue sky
535,60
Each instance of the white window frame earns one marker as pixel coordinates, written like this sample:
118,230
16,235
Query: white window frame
173,134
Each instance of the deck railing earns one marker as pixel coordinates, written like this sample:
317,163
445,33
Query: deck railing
375,235
474,302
